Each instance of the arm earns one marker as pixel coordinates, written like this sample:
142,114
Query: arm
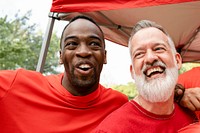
6,79
191,81
191,99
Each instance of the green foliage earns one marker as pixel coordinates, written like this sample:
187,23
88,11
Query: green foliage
20,45
187,66
129,89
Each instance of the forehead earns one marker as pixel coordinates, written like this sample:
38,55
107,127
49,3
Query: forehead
149,36
82,26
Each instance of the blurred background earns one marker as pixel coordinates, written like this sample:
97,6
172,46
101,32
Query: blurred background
22,27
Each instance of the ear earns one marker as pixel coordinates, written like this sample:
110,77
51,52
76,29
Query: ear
105,57
131,71
178,60
60,60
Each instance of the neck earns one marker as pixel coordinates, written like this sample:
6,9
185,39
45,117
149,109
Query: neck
75,90
159,108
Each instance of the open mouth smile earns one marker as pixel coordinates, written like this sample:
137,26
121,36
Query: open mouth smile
84,68
153,71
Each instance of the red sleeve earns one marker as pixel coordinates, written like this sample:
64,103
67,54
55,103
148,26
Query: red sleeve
190,78
6,79
192,128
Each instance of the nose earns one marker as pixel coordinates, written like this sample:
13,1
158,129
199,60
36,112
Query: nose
150,57
83,50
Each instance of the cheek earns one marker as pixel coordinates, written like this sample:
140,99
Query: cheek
137,67
67,57
100,57
170,61
138,71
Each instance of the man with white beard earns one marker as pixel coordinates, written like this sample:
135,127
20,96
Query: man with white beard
154,68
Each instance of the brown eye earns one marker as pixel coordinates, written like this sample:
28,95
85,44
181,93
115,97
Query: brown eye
71,45
95,44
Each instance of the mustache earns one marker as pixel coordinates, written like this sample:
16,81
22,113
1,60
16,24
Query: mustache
155,63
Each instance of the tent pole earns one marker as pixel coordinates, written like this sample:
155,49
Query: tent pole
117,26
45,45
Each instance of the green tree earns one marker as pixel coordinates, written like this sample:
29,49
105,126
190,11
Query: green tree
20,45
187,66
129,89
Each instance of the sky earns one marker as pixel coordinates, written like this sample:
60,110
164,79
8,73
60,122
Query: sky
116,71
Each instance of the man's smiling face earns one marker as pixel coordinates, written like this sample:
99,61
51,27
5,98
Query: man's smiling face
83,53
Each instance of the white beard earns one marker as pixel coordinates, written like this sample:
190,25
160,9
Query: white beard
158,89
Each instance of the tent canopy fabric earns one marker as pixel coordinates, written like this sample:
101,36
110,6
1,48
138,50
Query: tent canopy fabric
100,5
180,18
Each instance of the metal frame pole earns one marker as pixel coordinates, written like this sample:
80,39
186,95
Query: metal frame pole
45,45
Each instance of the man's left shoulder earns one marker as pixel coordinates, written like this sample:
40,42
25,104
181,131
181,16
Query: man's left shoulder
113,93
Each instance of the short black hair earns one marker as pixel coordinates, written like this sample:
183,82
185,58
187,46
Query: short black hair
79,17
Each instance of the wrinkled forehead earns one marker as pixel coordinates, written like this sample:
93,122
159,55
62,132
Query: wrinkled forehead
149,35
149,32
145,37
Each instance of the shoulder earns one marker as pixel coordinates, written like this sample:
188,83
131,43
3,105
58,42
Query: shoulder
115,122
29,75
185,113
192,128
19,74
19,77
116,116
190,78
54,77
190,73
109,92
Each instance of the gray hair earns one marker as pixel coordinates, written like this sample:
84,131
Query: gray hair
146,24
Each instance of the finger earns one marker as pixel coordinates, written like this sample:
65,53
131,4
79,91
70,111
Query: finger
188,105
195,102
179,91
178,95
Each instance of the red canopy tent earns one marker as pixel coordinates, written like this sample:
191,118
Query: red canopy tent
181,18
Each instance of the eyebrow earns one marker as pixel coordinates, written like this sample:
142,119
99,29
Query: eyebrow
95,37
75,37
70,37
162,44
155,45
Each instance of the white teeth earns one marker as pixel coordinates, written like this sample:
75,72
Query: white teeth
83,66
158,69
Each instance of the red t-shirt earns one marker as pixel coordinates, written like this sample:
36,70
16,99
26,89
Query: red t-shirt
132,118
33,103
191,79
192,128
